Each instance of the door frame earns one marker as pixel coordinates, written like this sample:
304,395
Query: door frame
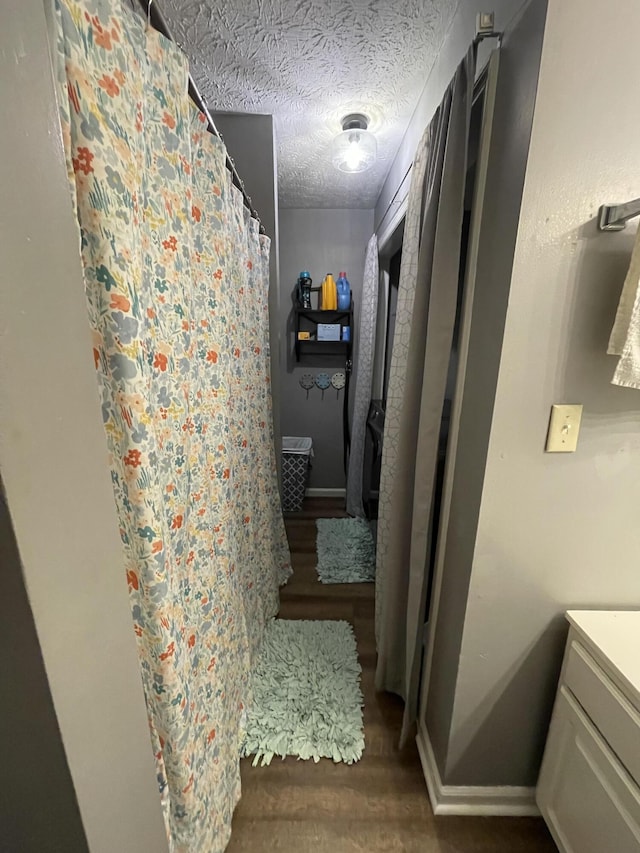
389,241
487,83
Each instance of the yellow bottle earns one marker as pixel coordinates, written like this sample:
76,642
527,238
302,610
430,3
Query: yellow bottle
329,294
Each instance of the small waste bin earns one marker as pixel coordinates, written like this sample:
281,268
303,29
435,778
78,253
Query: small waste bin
296,460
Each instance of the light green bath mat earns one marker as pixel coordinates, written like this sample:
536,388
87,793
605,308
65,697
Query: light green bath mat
306,694
346,553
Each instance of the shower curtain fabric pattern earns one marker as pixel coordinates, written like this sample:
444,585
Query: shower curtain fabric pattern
426,311
365,352
176,280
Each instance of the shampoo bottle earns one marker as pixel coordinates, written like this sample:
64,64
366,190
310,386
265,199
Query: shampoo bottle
344,292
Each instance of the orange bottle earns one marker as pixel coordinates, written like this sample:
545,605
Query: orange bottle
329,293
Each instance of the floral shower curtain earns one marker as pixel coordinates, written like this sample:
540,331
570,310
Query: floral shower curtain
176,277
366,344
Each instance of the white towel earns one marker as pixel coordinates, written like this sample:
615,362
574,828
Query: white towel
625,335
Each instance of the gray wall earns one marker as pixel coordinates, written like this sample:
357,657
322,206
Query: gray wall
54,468
555,531
321,241
519,63
250,141
457,41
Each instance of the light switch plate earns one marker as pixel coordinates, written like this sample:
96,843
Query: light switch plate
564,427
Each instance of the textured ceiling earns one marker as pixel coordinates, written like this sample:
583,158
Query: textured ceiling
308,63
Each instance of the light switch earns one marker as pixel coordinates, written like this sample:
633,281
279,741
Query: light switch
564,427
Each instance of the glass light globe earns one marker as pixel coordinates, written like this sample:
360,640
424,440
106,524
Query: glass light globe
354,150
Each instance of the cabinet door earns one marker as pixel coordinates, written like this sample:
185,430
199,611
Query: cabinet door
588,800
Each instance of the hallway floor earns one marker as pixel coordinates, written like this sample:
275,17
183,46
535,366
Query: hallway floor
380,803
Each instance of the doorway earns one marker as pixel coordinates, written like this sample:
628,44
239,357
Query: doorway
391,249
446,446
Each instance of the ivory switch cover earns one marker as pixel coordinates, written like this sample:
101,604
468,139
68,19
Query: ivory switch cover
564,427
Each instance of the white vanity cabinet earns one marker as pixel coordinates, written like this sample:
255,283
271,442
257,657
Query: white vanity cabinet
589,786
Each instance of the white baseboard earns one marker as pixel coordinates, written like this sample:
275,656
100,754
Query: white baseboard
325,493
507,800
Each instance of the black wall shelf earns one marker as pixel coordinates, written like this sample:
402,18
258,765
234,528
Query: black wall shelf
307,320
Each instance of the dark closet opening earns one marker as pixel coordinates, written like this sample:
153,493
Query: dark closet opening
375,419
392,305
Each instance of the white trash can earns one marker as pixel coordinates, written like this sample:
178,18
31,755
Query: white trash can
296,461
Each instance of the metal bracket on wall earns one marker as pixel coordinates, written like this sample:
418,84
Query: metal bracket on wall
485,27
614,217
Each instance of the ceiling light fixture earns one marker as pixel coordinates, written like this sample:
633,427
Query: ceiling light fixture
354,150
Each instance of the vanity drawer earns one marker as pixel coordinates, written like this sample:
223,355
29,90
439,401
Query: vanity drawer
617,720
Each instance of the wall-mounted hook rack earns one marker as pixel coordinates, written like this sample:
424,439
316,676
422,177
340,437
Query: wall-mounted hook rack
614,217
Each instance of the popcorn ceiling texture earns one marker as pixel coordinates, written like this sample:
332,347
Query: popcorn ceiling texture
309,63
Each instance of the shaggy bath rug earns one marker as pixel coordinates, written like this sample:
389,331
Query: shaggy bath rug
346,552
306,694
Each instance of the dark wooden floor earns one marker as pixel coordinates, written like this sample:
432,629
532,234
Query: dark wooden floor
380,803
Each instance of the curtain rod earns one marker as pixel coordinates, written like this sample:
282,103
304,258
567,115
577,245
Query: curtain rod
614,217
157,20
